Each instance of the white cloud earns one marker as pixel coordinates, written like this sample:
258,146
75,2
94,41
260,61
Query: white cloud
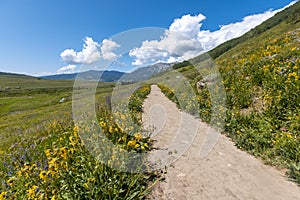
184,39
107,48
66,69
233,30
89,54
179,41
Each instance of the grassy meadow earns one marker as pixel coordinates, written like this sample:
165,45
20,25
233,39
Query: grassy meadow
26,111
42,155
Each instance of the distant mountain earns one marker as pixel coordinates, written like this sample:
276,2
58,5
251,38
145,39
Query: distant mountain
139,74
145,73
91,75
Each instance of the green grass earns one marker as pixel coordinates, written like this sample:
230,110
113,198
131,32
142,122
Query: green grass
42,155
25,112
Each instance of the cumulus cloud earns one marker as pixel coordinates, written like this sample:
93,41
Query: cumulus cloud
179,41
184,39
66,69
88,55
91,52
107,49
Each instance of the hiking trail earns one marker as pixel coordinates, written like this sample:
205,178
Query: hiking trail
225,173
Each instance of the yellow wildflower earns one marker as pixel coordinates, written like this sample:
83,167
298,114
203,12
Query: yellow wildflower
53,197
54,162
63,152
31,191
43,175
19,173
110,129
138,136
131,143
86,185
293,74
10,182
71,150
51,171
71,139
102,124
75,130
2,195
48,153
33,167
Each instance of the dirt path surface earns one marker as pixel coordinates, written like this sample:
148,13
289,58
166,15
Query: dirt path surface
225,173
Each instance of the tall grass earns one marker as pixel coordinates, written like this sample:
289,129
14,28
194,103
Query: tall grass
59,166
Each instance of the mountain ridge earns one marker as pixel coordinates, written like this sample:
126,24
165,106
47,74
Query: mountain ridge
91,75
139,74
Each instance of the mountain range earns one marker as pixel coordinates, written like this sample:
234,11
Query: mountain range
91,75
139,74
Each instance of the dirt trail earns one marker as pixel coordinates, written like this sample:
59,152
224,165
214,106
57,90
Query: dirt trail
226,173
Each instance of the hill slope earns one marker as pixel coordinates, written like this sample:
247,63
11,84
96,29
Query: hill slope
13,81
260,72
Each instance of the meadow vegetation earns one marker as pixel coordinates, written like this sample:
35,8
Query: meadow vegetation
261,80
52,161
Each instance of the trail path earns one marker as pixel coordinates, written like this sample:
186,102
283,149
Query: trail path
226,173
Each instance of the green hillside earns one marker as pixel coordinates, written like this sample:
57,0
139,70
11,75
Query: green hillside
260,72
28,82
261,77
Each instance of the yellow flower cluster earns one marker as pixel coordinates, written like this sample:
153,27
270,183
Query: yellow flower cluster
2,195
31,192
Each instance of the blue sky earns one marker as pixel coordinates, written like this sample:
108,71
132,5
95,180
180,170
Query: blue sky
34,33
